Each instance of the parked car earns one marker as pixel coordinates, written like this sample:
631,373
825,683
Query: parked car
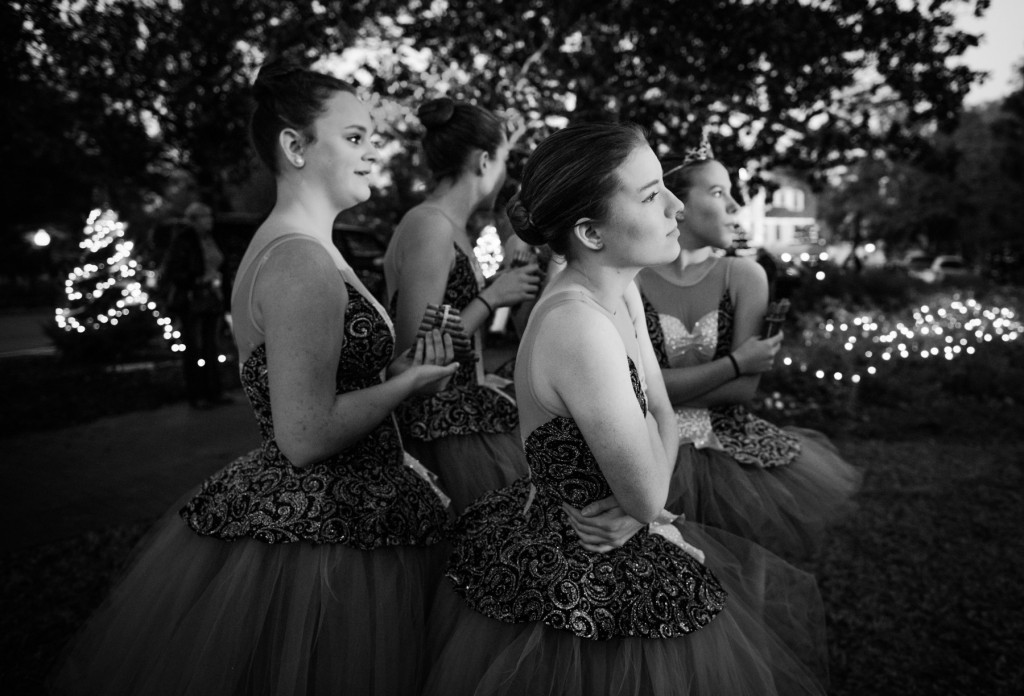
945,268
915,263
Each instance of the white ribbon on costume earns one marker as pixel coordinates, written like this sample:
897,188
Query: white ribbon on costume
427,475
663,526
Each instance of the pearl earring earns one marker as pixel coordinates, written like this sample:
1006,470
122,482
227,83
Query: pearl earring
300,161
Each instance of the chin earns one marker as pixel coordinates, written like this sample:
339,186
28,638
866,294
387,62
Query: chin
670,255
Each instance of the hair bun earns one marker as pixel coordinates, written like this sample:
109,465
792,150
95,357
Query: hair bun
270,76
522,222
436,112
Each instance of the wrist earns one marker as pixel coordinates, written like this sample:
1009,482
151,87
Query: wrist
735,364
486,303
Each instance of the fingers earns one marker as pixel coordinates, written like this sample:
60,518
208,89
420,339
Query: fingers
599,506
417,356
431,342
448,349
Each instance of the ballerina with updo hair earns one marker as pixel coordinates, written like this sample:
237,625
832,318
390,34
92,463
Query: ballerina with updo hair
305,567
545,598
468,433
780,487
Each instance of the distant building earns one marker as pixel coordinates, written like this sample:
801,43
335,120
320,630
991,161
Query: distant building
786,219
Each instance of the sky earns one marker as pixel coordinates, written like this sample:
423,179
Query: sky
1000,48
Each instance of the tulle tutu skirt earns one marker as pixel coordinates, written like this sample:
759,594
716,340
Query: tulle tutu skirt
467,466
785,509
768,641
197,615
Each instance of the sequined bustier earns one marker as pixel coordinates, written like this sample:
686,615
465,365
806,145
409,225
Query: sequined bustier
465,407
517,559
363,496
749,439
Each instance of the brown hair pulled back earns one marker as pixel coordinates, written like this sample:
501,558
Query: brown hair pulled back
571,175
288,95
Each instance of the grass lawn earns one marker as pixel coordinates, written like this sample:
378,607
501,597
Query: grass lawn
924,585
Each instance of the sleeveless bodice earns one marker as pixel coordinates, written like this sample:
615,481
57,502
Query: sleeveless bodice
750,440
465,407
516,557
364,496
683,347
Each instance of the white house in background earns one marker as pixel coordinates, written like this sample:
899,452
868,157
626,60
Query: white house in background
786,218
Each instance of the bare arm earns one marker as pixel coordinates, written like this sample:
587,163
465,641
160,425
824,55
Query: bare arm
585,367
424,257
659,407
303,300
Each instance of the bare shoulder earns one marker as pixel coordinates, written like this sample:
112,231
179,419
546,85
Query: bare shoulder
746,269
424,225
578,337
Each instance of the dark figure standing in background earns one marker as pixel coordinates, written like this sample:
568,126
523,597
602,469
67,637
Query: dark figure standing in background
192,273
771,269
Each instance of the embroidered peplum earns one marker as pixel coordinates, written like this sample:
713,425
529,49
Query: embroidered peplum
364,496
517,566
750,440
465,407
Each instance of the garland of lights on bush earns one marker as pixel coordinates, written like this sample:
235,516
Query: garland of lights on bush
110,285
865,343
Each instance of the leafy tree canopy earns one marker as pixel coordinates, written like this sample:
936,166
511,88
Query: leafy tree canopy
114,93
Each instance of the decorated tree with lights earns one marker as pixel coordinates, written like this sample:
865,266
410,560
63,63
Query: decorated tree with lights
108,313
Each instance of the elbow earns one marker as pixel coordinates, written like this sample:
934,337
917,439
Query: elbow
299,451
645,513
646,507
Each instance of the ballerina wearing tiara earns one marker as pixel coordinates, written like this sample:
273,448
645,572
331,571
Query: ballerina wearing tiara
705,313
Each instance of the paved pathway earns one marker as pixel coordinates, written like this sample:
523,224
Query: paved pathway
127,468
60,483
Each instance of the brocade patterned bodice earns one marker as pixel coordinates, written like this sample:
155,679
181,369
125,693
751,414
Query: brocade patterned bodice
465,407
750,440
364,496
516,557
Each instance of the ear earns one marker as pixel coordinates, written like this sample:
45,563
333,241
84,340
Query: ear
292,144
586,231
481,161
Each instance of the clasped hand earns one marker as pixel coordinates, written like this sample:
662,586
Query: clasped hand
602,525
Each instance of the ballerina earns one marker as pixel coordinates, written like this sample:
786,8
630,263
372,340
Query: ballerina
468,434
778,486
664,607
307,565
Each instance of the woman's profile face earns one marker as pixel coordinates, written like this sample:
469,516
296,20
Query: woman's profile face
343,156
640,228
710,218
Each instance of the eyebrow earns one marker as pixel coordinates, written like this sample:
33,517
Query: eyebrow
647,186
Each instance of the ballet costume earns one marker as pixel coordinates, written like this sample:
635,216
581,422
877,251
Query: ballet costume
780,487
276,579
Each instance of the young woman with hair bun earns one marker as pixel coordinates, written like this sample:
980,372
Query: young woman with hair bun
780,487
545,596
468,434
306,566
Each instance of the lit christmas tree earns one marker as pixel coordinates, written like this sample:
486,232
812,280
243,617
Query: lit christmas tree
108,312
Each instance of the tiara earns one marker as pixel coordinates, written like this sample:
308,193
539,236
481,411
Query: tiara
701,153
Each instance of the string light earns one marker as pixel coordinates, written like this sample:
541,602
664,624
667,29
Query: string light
950,327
